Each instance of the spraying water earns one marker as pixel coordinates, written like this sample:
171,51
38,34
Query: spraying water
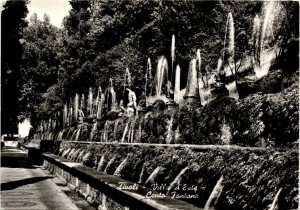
65,115
169,131
90,102
77,134
120,167
75,155
93,131
101,163
266,53
161,75
177,180
154,175
86,156
65,152
71,153
141,177
172,55
148,83
255,39
110,162
82,103
104,132
70,115
97,100
124,133
273,206
228,53
177,95
80,156
192,83
116,129
76,106
100,106
215,194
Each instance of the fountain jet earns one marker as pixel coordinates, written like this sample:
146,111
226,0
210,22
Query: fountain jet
192,83
90,102
161,76
172,56
215,194
76,106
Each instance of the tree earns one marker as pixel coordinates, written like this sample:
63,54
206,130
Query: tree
40,65
13,21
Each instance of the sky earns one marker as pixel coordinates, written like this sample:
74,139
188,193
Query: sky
56,9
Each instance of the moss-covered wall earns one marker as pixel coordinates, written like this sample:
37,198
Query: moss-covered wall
251,177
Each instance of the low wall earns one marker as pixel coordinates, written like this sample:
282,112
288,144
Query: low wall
251,176
108,191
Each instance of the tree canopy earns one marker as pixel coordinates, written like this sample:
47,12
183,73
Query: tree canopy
100,39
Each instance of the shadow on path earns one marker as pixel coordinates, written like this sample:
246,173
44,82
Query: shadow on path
14,184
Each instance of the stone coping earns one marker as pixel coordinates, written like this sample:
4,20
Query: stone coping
190,146
110,186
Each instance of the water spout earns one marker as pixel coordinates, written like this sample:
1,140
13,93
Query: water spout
161,76
93,131
148,90
192,83
110,162
266,53
177,96
76,106
77,134
125,132
177,180
215,194
120,167
82,104
169,131
228,54
65,115
141,177
101,163
90,102
172,56
273,206
86,157
154,175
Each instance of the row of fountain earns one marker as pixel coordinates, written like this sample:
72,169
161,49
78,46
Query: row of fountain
82,155
199,82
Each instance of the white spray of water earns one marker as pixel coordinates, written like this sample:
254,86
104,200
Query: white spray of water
120,167
154,175
172,55
215,194
125,132
110,162
76,106
273,205
169,131
192,82
177,180
161,75
90,102
177,97
101,163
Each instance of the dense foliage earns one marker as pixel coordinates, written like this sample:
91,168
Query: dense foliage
251,178
99,40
